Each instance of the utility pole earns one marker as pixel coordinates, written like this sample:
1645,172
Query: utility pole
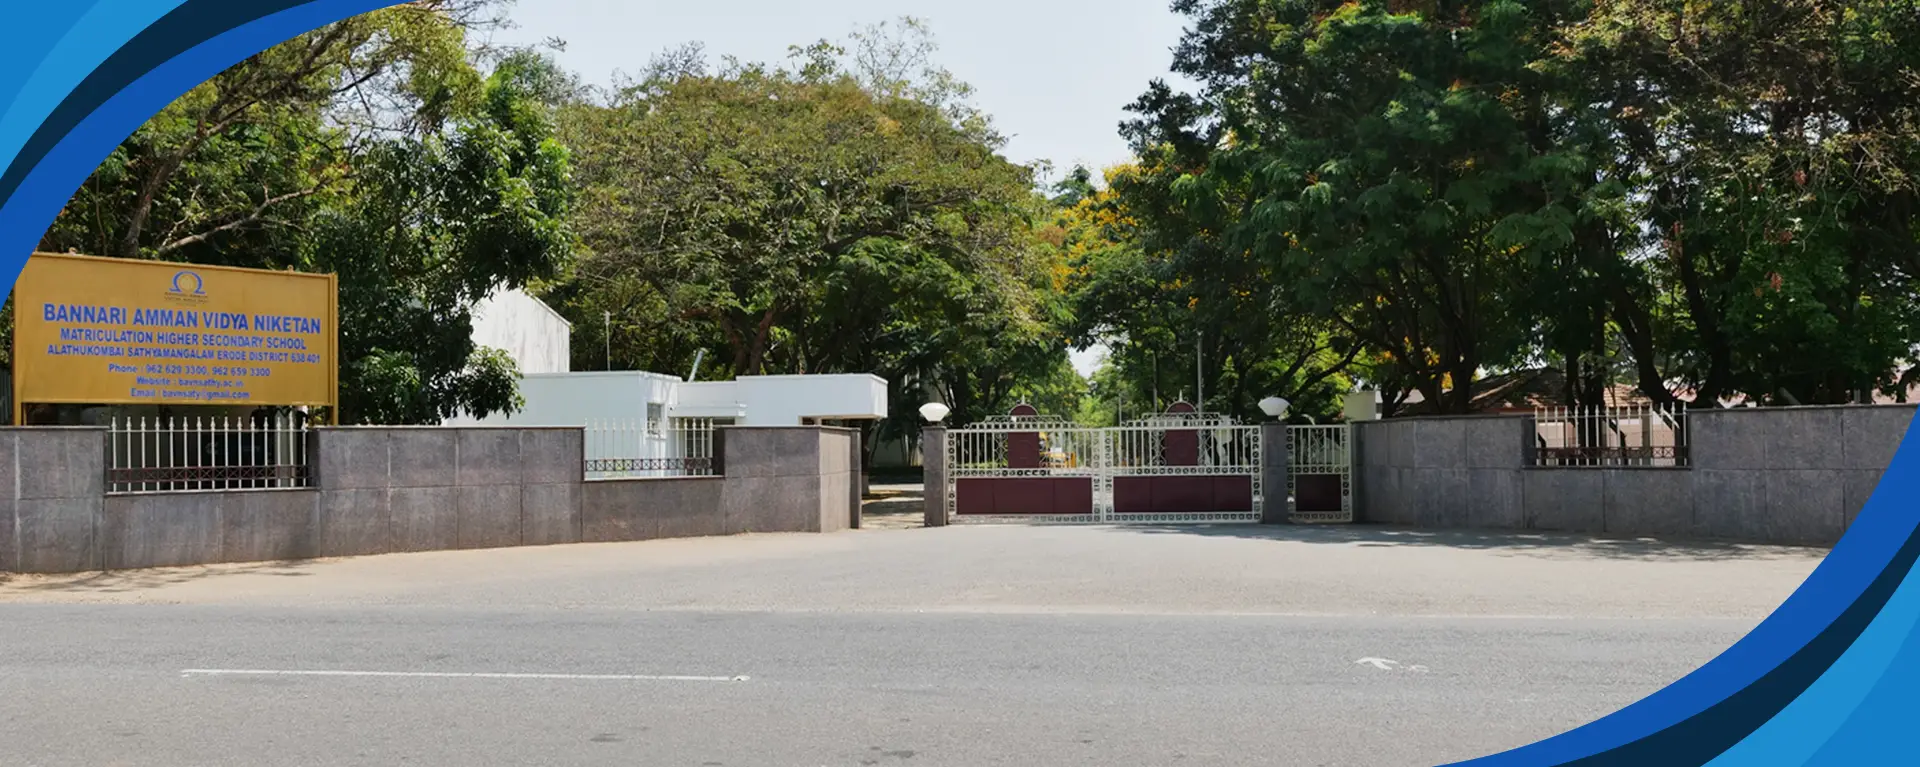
1199,372
1156,380
607,318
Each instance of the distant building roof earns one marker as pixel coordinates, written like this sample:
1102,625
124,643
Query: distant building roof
1523,391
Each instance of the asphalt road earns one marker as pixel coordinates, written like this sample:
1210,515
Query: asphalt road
918,647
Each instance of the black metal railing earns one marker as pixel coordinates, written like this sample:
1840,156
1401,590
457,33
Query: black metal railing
1620,436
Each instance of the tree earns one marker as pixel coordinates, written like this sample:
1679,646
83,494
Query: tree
1771,149
1701,199
432,226
816,218
1151,280
1377,160
736,198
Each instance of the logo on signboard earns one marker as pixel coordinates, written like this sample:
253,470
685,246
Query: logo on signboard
187,288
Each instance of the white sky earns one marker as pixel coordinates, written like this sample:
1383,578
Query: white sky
1056,75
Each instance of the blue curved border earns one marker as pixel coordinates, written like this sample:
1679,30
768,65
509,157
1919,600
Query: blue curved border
1697,719
1826,679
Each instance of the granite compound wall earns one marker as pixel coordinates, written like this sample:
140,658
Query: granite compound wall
1765,475
391,490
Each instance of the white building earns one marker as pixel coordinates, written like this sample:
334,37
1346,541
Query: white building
650,417
641,424
529,331
580,399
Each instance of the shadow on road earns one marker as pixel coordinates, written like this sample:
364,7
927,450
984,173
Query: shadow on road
122,581
901,506
1517,543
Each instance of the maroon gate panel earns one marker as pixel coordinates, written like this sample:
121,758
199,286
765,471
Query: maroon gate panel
1027,496
1182,494
1023,451
1023,496
1180,447
1023,448
1317,492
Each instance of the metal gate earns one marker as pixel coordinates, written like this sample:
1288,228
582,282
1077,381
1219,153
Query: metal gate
1320,473
1179,467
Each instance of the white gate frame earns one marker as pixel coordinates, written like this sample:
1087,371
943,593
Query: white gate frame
1103,455
1324,449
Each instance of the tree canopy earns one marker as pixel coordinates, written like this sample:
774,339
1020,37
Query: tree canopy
844,211
1700,199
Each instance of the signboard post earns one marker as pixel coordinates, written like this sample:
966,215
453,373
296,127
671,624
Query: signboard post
108,331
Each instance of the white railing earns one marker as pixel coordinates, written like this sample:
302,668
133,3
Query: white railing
1156,449
1624,435
1009,448
1324,449
1077,450
682,447
191,454
1026,449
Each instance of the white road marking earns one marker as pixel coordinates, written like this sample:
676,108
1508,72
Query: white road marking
1388,664
460,675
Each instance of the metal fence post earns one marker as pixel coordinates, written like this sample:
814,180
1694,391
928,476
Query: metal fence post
933,461
857,477
1273,475
1530,441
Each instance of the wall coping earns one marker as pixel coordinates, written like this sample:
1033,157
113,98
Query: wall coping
833,429
1690,413
475,427
233,491
1800,408
1470,417
618,480
1531,467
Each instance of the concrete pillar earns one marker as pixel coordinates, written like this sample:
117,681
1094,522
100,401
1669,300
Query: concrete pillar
1273,474
933,456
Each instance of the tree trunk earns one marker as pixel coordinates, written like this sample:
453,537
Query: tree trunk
1706,318
1636,327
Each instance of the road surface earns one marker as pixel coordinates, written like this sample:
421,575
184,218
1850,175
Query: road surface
962,646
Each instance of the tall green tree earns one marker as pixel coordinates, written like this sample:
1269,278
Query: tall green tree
1376,158
1704,200
845,212
1771,151
1182,314
432,226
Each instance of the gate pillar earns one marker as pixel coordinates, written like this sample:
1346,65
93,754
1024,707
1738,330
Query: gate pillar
933,462
1274,507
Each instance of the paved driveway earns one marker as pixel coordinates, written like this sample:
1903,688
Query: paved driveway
960,646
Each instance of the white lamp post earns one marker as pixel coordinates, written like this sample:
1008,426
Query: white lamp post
935,412
1275,407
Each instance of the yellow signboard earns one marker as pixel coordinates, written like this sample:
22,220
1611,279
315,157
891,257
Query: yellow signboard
117,331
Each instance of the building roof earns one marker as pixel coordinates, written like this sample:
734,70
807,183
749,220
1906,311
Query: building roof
1524,391
1527,390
